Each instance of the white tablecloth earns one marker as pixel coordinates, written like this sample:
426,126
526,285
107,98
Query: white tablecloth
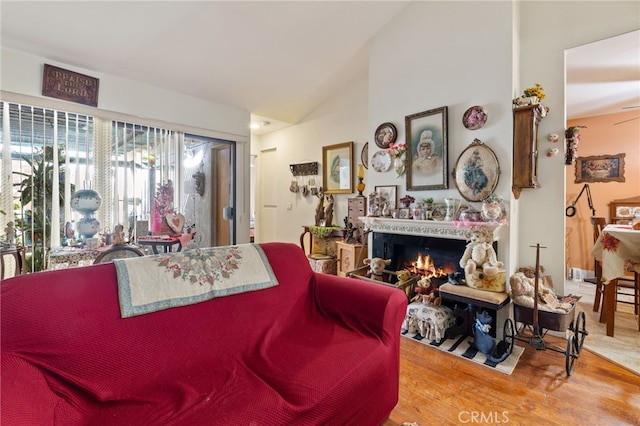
618,248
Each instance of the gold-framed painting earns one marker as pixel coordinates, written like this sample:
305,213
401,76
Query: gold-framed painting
600,168
337,168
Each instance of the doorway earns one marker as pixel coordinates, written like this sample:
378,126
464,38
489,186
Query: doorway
603,99
209,190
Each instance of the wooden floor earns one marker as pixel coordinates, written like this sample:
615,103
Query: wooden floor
437,388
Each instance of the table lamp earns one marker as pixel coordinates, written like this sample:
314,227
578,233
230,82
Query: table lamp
360,187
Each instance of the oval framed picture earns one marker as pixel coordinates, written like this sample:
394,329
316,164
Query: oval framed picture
364,155
386,134
475,117
476,172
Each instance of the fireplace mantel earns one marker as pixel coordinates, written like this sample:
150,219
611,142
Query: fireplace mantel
429,228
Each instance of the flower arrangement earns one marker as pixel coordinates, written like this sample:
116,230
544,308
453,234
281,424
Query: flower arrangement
537,90
407,200
398,152
572,139
162,205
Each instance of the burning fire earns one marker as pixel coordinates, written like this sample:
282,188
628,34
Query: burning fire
425,267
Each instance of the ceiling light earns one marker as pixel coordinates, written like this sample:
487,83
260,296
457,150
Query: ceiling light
260,124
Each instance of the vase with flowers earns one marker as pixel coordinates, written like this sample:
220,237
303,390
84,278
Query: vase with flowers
406,201
531,95
572,139
162,205
398,153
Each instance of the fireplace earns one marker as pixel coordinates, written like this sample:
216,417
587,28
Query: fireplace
405,250
405,241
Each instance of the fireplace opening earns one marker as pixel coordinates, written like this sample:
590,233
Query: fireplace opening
423,256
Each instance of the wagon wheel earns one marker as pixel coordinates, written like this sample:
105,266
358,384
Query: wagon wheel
509,335
580,331
571,354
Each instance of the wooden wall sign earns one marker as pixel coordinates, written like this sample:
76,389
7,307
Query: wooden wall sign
69,86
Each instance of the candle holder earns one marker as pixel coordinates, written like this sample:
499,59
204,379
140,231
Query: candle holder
360,187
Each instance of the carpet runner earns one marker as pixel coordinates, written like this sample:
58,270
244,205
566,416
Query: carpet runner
462,346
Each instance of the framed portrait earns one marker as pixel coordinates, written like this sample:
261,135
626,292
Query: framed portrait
426,144
337,168
387,194
600,168
386,134
476,172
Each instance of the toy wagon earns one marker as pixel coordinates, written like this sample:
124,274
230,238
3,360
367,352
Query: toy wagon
390,279
538,323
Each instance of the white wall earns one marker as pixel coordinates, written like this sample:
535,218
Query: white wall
21,81
542,51
433,55
342,119
421,61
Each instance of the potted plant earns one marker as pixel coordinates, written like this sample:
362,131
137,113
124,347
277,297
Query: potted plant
531,95
36,193
428,202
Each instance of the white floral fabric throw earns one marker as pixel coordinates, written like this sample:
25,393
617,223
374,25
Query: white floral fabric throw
152,283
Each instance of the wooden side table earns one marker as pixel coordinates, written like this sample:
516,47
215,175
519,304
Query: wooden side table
349,257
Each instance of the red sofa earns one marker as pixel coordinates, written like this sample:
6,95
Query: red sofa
316,349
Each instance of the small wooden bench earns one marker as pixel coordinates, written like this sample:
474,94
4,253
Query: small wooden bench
474,300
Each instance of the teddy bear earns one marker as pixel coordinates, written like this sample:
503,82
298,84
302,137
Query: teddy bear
530,271
426,293
479,253
376,267
522,290
404,281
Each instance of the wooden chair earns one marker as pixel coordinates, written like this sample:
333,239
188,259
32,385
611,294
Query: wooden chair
12,261
620,283
598,224
118,252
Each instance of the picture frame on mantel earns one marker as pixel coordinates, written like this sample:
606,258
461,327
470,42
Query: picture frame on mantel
388,194
427,150
600,168
337,168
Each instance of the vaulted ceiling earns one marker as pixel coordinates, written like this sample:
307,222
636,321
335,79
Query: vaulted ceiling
277,60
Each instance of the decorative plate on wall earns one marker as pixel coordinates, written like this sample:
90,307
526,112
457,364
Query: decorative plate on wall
386,134
381,162
475,117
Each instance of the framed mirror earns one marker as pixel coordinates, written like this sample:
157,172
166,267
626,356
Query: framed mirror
476,172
